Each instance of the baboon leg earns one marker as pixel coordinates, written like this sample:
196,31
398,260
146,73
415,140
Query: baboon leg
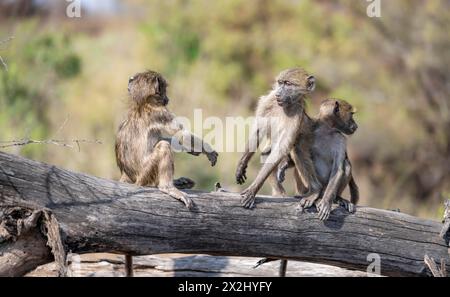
277,188
159,170
305,167
166,171
300,188
270,165
349,206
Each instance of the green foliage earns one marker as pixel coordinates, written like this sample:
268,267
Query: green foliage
222,55
37,63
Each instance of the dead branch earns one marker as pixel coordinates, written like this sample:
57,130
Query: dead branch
100,215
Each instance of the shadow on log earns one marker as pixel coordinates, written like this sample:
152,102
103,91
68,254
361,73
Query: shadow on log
100,215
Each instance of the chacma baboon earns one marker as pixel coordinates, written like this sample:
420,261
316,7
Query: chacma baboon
145,138
281,118
329,154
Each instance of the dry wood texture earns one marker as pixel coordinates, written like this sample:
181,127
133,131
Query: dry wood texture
100,215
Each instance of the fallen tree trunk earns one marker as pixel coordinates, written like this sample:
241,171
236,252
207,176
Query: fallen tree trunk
99,215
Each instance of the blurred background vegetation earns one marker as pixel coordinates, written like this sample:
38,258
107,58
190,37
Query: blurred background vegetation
221,56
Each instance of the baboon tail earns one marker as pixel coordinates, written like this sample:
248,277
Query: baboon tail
183,183
354,191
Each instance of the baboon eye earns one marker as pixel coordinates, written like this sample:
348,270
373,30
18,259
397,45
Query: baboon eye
131,79
288,83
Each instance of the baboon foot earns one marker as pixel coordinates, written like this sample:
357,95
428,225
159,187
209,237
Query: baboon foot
308,199
183,183
175,193
324,208
350,207
248,198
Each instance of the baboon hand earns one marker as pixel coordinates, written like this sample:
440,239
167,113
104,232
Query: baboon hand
324,208
212,157
248,198
241,174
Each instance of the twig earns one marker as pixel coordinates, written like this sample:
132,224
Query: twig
437,272
65,143
2,42
3,63
62,126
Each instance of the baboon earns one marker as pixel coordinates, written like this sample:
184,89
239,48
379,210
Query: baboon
281,118
329,154
145,138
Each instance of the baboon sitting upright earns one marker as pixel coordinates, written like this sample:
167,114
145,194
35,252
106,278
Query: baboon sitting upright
145,138
281,118
329,152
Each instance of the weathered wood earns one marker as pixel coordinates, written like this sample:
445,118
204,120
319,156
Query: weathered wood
185,265
99,215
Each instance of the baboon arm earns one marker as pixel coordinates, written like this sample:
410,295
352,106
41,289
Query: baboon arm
188,141
251,146
256,136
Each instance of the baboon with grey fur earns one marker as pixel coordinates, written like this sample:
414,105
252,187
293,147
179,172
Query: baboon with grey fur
329,153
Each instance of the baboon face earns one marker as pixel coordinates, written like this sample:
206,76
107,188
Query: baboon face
148,88
291,84
339,113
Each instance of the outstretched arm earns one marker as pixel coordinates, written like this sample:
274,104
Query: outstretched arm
183,139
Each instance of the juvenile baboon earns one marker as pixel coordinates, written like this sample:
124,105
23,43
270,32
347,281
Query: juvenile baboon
281,118
144,139
329,153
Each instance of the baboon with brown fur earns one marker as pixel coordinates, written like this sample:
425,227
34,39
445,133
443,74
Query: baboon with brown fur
145,138
281,118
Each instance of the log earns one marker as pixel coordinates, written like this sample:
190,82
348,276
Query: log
186,265
99,215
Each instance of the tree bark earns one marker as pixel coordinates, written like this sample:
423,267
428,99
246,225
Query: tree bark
100,215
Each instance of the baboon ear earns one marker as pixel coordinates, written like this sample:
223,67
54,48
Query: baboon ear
311,84
336,107
156,84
